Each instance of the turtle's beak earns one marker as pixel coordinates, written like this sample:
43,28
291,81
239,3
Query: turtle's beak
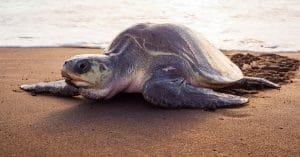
65,74
74,80
67,77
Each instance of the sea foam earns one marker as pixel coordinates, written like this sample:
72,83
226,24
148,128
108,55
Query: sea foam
231,25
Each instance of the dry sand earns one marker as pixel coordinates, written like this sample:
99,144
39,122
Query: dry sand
127,125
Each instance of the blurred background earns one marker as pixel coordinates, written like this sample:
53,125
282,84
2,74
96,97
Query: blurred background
229,24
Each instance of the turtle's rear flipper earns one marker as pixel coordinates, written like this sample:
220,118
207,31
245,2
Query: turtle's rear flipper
256,82
60,88
176,93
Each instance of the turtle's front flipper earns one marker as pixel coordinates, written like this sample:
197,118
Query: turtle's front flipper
256,82
60,88
176,93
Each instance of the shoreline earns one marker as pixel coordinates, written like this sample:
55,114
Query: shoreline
102,48
126,125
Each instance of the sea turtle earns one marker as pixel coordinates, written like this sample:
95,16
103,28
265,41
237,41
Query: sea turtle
171,65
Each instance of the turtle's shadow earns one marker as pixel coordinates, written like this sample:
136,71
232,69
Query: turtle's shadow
125,113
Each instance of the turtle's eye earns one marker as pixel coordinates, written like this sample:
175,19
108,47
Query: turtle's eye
82,66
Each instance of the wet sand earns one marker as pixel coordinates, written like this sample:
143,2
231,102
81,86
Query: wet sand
127,125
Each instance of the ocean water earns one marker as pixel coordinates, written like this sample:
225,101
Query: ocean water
268,25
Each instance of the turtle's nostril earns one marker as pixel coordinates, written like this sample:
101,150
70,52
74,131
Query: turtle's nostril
66,62
69,63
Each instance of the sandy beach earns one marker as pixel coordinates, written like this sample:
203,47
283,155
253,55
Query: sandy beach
129,126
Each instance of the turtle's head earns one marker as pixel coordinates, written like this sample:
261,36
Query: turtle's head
88,71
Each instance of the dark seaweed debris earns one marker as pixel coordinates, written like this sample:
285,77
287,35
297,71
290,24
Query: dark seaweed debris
273,67
276,68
